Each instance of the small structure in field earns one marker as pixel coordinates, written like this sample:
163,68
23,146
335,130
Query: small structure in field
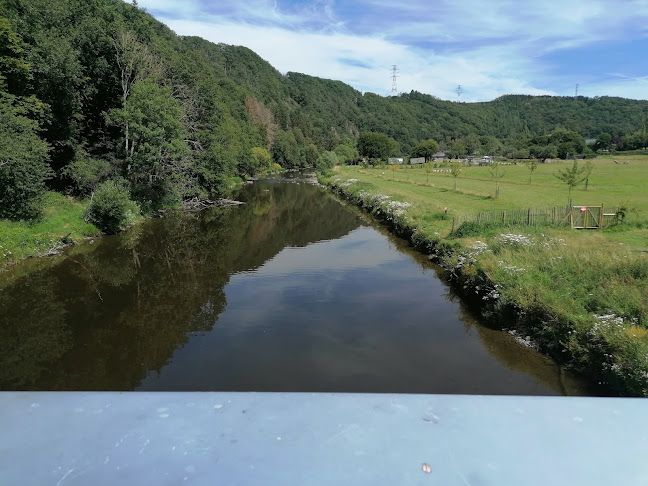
395,160
417,160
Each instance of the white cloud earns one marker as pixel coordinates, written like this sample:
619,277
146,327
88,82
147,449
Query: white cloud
483,74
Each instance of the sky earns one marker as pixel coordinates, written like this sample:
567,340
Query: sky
488,47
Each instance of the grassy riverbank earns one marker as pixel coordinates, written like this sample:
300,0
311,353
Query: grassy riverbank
578,295
61,223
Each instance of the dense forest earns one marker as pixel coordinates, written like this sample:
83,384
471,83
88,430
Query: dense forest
98,98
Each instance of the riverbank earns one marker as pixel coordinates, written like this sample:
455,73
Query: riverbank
61,224
576,296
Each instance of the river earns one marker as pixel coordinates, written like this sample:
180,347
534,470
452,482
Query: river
292,291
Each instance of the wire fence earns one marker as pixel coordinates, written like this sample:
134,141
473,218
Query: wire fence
556,216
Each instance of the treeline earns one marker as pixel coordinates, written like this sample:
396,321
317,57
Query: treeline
97,97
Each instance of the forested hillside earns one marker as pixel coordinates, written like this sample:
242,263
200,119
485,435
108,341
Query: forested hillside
97,97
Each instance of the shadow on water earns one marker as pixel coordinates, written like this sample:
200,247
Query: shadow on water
292,291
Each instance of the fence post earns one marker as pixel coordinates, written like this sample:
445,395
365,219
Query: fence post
529,217
478,218
453,224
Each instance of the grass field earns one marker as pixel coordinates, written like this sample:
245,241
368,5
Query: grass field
610,184
61,223
587,287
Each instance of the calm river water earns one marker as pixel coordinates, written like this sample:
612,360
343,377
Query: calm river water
293,291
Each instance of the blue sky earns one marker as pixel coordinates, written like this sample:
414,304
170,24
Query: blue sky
489,47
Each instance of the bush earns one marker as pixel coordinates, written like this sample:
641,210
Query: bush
111,209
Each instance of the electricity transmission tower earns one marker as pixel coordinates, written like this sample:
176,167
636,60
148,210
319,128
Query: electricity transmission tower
459,91
576,92
394,75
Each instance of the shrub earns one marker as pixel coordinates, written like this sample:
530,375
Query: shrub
86,172
111,209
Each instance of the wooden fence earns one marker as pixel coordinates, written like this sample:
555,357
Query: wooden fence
556,216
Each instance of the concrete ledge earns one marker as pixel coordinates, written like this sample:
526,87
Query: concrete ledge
290,438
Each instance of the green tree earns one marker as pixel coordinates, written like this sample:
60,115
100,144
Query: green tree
285,150
532,165
346,153
455,170
327,160
472,143
14,67
572,176
587,171
376,146
489,145
23,163
496,171
310,155
568,143
425,148
603,141
548,152
260,159
457,149
157,145
428,169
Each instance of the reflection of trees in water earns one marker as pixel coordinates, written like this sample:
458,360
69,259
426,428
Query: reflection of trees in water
33,330
113,311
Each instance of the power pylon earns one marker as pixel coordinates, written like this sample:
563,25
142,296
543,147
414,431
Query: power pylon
394,75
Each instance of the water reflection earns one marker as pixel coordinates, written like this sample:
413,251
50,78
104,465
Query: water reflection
289,292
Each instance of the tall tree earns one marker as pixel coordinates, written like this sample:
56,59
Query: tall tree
157,144
425,148
377,146
23,163
135,63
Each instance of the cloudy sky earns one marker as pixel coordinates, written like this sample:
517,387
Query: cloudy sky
489,47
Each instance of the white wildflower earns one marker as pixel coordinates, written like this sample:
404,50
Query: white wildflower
514,240
510,268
